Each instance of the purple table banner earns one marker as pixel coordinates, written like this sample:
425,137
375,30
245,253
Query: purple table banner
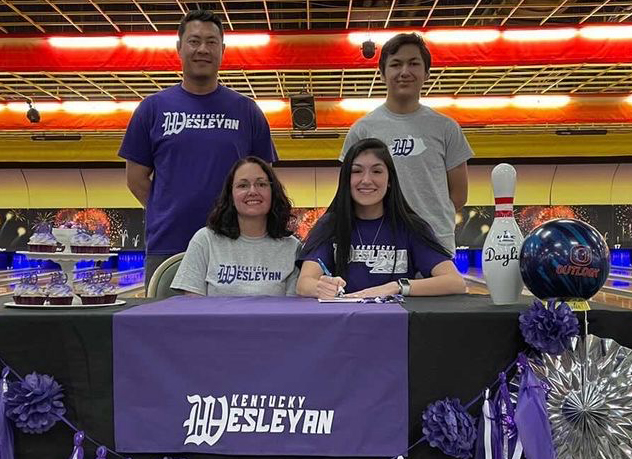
261,376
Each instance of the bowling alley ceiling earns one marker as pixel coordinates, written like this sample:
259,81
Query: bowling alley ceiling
61,16
599,74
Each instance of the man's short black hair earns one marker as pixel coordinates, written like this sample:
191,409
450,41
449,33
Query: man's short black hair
200,15
393,45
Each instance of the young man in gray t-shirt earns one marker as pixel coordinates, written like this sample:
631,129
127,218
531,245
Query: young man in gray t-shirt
429,149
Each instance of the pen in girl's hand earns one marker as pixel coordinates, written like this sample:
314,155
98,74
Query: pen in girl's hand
341,290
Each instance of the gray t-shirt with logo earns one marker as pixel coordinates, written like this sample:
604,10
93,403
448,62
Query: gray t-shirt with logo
424,145
216,265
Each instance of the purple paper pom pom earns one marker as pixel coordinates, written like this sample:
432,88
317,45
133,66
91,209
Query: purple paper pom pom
34,404
450,428
547,328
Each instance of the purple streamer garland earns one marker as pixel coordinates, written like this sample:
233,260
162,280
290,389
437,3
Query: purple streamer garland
8,370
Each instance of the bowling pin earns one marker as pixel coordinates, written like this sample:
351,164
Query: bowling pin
501,251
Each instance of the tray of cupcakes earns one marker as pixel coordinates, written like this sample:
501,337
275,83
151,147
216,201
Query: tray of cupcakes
68,244
80,240
95,291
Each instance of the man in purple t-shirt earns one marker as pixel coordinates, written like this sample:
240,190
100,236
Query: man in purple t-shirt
182,141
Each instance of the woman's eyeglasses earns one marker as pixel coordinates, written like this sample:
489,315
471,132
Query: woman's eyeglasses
260,185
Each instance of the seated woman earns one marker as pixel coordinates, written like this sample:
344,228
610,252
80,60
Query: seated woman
370,238
247,247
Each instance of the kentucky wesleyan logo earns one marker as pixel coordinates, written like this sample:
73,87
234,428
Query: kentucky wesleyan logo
211,417
227,274
176,122
407,146
380,258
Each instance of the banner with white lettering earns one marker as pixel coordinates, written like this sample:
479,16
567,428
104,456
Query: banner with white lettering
261,376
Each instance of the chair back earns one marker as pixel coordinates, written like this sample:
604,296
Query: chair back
160,282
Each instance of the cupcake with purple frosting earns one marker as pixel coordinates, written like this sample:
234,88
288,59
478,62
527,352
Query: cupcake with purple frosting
110,293
60,294
29,294
81,242
100,242
92,294
43,240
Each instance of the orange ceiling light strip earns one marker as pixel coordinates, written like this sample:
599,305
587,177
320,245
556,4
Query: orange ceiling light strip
331,113
540,35
438,36
108,107
324,50
471,103
277,105
607,32
84,42
486,35
449,36
155,41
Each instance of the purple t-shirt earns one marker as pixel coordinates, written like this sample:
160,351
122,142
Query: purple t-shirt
374,251
191,142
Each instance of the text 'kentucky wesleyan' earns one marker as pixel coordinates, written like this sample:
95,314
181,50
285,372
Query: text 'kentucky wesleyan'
176,122
210,417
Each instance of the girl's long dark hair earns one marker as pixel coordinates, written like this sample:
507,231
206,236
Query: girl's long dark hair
336,225
223,217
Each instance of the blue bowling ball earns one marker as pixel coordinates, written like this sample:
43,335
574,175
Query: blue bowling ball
564,259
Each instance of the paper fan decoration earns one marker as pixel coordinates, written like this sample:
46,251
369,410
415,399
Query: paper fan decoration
590,398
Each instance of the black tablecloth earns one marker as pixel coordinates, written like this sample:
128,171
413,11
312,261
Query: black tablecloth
457,346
